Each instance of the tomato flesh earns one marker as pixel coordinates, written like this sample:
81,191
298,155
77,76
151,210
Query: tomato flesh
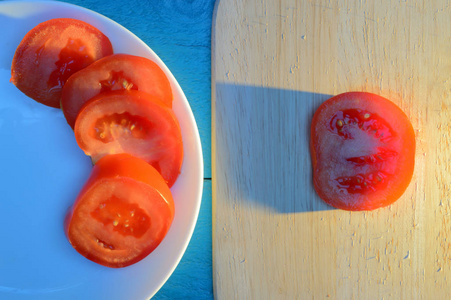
118,72
51,52
122,213
363,151
131,122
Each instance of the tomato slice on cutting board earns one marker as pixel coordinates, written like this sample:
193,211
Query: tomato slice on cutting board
112,73
51,52
122,213
363,151
131,122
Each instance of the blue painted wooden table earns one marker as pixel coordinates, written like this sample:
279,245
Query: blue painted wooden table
179,31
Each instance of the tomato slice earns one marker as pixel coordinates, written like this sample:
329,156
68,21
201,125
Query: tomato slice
115,72
51,52
122,213
363,151
131,122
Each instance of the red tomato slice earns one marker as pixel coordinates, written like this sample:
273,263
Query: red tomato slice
51,52
363,151
122,213
115,72
131,122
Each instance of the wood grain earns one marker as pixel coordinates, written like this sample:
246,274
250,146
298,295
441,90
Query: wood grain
273,64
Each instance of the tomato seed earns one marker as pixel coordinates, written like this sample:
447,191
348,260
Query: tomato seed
126,85
104,245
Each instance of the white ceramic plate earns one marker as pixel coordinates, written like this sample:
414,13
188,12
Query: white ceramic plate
42,170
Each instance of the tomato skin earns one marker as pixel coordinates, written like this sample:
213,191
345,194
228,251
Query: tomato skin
51,52
113,73
84,226
363,151
131,122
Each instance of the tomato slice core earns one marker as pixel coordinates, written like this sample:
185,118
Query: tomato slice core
351,124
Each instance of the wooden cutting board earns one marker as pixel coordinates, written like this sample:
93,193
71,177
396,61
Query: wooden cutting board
273,64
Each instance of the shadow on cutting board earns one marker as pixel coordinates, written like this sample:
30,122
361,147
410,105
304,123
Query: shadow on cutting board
261,147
